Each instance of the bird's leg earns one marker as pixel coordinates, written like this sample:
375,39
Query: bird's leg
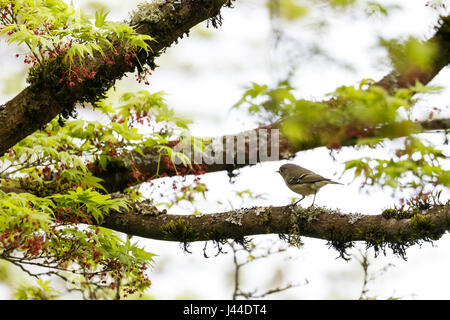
314,198
295,203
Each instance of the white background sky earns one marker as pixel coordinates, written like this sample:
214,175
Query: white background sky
204,76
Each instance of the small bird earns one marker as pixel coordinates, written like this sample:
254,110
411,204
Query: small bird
303,181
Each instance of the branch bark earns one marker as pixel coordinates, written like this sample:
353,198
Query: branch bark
320,223
393,228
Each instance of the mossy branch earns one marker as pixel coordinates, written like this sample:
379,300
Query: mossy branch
425,219
385,230
46,97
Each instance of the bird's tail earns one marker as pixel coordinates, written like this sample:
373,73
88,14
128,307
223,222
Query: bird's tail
334,182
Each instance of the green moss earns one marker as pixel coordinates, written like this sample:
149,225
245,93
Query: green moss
44,188
217,235
421,229
424,228
389,213
339,241
293,237
49,82
421,223
45,87
218,238
266,220
307,215
244,242
394,213
375,238
179,230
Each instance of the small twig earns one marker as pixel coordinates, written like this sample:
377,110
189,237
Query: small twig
368,277
237,292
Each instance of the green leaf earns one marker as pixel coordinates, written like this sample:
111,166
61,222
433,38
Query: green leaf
100,18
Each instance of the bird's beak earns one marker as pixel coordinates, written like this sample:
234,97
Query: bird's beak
278,171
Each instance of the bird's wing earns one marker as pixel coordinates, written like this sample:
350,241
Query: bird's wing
307,178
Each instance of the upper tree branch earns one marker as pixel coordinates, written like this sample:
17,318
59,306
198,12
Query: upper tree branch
146,163
45,98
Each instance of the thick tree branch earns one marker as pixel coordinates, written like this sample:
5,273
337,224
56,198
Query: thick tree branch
393,228
321,223
146,165
120,177
6,189
46,97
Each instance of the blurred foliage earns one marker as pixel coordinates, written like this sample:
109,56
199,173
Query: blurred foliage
415,165
341,3
42,291
409,54
287,9
97,6
12,83
202,32
363,116
375,8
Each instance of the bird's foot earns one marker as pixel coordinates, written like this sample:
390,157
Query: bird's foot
295,203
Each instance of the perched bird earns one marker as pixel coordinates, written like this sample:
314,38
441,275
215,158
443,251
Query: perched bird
303,181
